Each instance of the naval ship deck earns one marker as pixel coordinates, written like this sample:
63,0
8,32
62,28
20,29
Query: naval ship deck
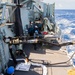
53,57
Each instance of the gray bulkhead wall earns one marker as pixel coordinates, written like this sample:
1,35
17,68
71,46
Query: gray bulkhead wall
6,0
49,10
52,12
28,15
4,50
44,5
3,46
24,17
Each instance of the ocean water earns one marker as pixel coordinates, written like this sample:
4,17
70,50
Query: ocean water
66,21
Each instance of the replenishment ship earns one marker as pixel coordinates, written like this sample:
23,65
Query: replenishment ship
30,39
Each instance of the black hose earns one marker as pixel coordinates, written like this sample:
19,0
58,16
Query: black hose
18,22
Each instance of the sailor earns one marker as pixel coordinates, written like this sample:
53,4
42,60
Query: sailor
10,70
31,29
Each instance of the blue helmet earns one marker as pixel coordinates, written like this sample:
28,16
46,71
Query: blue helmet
10,70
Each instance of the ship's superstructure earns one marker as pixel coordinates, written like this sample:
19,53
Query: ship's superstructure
4,31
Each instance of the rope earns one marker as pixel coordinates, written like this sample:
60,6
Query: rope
65,61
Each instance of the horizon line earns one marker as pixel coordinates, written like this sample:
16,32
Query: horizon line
63,9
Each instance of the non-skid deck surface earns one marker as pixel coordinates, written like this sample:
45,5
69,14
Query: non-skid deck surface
49,56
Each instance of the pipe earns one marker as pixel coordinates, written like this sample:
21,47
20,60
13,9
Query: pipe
21,40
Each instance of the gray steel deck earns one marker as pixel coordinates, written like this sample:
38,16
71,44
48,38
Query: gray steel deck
49,56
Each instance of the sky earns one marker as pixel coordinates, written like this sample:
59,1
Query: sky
62,4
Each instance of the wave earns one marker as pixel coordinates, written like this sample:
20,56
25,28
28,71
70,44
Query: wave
67,14
68,32
72,32
66,22
70,48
